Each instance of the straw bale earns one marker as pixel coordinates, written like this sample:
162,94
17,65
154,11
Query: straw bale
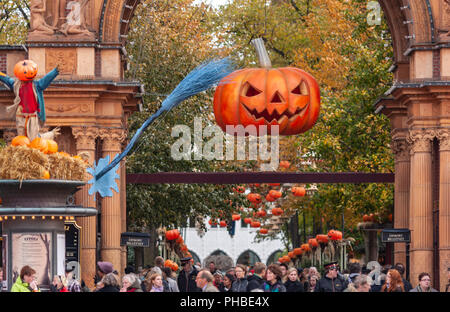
24,163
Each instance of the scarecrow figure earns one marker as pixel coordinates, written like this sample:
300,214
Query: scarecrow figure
29,107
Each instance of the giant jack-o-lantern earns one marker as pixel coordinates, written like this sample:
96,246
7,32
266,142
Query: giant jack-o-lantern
288,97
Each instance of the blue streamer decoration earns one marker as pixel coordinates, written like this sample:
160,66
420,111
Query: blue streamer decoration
200,79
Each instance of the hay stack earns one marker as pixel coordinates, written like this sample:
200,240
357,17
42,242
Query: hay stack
24,163
66,168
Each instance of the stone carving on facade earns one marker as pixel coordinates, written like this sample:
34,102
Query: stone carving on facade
445,21
400,148
420,140
65,58
112,139
443,135
85,139
60,17
38,25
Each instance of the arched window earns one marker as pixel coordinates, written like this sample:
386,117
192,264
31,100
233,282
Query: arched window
248,257
195,257
273,258
222,261
218,252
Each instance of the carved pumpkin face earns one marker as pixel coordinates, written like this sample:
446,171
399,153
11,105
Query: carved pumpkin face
25,70
288,97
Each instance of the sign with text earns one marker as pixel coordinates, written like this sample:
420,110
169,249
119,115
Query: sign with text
135,239
72,231
396,236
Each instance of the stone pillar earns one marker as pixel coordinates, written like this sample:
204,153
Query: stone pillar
111,218
401,193
421,204
85,142
444,207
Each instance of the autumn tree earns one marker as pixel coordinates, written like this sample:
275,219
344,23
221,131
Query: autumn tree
350,59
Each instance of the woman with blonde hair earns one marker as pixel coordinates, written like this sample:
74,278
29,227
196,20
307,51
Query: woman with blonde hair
293,284
154,283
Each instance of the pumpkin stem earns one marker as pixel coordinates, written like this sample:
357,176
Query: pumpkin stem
261,51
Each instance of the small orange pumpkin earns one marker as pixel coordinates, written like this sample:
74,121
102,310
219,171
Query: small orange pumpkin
263,231
275,194
26,70
20,140
285,164
53,147
40,144
298,191
247,220
64,154
236,217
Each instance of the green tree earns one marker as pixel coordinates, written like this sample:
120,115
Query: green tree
14,21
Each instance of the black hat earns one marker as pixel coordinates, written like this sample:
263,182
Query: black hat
185,260
331,265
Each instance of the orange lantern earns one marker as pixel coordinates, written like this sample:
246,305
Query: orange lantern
255,224
305,247
275,194
263,231
254,198
236,217
172,234
298,191
298,251
270,198
313,243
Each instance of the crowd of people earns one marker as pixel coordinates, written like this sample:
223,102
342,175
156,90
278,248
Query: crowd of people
277,277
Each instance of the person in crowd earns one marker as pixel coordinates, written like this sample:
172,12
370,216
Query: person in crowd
204,281
257,279
218,280
57,284
401,269
186,278
393,282
159,262
284,268
154,283
231,271
169,277
331,282
311,284
293,284
130,283
73,285
362,283
424,284
103,268
273,279
354,271
108,283
26,281
129,269
212,267
241,282
228,280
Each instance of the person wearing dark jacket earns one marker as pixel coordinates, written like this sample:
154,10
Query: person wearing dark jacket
228,280
186,278
256,280
273,277
241,282
401,269
110,284
331,282
293,284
